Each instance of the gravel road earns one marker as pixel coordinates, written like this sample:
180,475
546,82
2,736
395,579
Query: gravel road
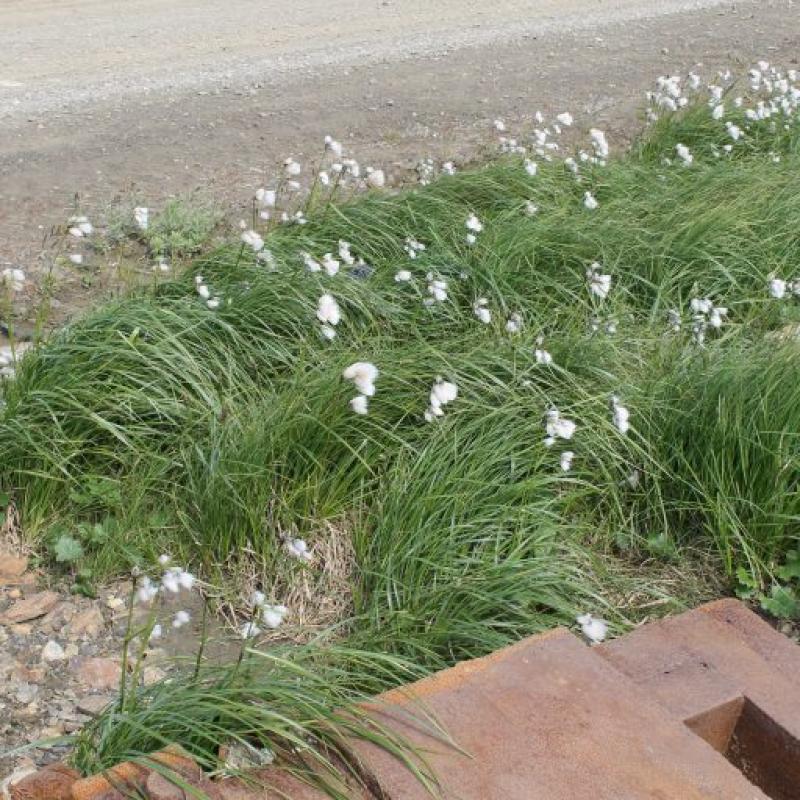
163,97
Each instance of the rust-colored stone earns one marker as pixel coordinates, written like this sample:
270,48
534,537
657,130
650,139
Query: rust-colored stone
54,782
158,787
36,605
86,624
545,718
703,664
174,757
110,784
749,629
99,673
717,724
12,568
274,783
705,658
551,718
138,777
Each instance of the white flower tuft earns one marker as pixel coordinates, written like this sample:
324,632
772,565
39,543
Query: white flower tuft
363,374
777,288
297,548
360,404
557,427
590,201
514,323
252,239
330,264
481,310
620,415
442,393
328,310
599,283
273,616
181,618
593,628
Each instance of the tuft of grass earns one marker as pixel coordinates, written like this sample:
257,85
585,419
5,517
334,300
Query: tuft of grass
182,228
300,707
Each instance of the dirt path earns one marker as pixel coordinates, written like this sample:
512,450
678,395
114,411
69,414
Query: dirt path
160,98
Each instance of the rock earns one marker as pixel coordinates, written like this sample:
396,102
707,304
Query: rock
87,624
22,630
37,605
58,617
93,704
115,603
99,673
159,788
15,777
174,757
51,783
11,567
125,777
53,651
71,650
26,692
153,675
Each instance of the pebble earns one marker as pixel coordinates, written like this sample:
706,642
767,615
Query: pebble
115,603
26,692
53,651
93,704
86,624
99,673
11,567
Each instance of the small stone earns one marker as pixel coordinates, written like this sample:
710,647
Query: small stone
51,783
37,605
51,732
11,567
26,692
93,704
71,650
53,651
22,630
159,788
153,675
115,603
99,673
58,617
87,624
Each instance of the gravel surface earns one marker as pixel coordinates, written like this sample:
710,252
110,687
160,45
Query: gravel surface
57,54
154,99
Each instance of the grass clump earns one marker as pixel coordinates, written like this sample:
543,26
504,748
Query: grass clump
182,228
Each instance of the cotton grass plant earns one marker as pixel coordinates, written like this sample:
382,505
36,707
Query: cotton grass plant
523,392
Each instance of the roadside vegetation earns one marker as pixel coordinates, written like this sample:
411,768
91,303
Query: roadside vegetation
432,421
